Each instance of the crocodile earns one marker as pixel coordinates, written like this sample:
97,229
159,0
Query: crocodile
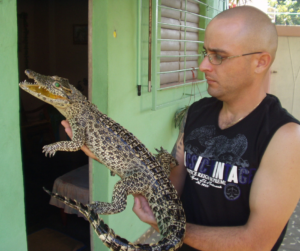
119,150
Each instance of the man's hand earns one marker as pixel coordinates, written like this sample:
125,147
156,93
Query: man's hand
142,209
68,130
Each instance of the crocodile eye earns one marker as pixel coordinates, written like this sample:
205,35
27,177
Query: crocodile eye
57,84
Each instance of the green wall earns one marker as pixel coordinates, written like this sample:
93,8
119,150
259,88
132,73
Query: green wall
12,212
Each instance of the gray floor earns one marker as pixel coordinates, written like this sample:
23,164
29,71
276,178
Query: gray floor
292,238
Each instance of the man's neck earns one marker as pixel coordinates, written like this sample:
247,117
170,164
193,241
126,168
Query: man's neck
234,111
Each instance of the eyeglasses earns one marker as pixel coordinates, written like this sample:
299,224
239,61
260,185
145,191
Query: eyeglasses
216,59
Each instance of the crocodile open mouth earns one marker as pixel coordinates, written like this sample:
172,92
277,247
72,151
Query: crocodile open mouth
34,87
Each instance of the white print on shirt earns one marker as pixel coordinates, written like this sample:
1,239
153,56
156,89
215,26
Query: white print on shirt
210,173
217,172
219,164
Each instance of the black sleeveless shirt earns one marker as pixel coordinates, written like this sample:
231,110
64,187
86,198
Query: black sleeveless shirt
221,164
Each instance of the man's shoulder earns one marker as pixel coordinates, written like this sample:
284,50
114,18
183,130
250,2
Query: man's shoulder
203,103
283,150
276,113
289,130
203,107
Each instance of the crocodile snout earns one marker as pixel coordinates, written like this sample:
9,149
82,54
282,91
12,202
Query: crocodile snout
30,74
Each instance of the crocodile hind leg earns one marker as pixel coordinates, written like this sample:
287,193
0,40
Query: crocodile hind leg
133,184
167,161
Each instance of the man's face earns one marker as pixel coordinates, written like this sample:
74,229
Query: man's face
227,80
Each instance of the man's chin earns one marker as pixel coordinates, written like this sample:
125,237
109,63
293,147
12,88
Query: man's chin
214,93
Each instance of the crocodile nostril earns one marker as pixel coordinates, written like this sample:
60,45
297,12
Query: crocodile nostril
27,72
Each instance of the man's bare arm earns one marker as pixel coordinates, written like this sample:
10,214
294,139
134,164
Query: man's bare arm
178,173
273,197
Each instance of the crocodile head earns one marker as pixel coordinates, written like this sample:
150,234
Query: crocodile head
54,90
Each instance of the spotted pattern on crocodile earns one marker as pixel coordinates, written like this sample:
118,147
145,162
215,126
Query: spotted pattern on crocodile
121,152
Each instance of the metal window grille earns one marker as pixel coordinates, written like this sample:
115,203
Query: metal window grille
177,37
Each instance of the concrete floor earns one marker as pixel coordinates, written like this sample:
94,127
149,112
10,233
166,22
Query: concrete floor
291,240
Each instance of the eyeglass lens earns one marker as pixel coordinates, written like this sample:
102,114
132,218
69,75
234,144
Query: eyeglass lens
213,58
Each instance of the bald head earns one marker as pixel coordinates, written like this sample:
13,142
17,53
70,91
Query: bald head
256,31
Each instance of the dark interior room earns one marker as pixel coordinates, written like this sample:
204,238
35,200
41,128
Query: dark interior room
52,40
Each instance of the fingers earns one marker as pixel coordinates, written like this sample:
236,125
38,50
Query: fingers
139,210
89,153
136,205
142,209
68,128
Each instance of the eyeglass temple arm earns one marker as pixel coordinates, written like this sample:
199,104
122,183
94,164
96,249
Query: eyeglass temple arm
251,53
244,55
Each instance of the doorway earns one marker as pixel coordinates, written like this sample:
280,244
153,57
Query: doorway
52,40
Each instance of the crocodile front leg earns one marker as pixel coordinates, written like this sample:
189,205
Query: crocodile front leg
133,184
77,142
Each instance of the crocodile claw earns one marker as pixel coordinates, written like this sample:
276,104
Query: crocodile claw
162,150
49,150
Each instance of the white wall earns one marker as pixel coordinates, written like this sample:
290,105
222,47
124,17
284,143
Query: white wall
285,83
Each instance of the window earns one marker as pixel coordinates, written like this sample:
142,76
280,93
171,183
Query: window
179,43
177,33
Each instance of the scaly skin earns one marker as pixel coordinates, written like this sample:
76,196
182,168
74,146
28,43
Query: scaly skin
124,155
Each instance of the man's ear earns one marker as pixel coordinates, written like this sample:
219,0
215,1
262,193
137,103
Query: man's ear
263,62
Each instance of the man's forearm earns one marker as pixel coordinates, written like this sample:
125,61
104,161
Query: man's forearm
221,238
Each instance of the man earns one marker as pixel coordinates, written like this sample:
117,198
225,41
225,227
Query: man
238,152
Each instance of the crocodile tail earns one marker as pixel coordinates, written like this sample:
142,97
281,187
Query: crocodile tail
108,236
169,214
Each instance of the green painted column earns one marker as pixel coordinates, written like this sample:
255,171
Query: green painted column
100,174
12,211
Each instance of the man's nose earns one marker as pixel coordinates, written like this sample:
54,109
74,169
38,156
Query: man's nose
205,65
